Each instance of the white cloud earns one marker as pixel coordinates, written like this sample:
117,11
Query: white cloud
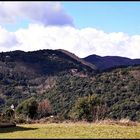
82,42
47,13
7,39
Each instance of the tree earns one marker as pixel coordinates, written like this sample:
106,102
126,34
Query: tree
44,108
10,114
87,108
28,108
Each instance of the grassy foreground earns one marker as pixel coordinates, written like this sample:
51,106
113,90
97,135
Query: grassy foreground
71,130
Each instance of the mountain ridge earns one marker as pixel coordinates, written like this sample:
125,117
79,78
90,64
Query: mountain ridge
109,62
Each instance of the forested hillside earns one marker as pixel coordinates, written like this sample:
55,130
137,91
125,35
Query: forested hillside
25,74
63,78
118,89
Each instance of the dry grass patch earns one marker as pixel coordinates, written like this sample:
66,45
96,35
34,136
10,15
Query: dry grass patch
71,130
122,122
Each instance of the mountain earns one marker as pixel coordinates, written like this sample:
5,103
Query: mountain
92,66
23,74
46,62
109,62
62,78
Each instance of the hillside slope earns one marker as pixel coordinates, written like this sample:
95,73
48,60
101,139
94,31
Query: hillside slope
119,89
24,74
109,62
62,78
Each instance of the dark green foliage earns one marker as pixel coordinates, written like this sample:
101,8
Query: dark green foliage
2,101
28,108
21,73
118,90
87,108
10,114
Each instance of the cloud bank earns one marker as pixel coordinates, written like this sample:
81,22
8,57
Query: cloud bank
82,42
47,13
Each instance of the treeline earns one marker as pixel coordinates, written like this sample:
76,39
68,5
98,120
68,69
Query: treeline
30,108
88,108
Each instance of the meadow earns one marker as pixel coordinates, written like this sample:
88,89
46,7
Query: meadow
71,130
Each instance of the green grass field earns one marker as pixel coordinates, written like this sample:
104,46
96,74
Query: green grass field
71,130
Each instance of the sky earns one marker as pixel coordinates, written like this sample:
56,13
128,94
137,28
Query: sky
108,16
83,28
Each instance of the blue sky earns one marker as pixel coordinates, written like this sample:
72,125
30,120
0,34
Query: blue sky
107,16
17,25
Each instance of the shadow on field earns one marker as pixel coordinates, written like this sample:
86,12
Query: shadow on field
17,128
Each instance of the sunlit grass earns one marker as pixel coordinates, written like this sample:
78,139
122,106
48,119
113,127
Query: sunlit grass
71,130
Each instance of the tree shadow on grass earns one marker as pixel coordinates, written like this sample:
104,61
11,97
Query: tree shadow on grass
16,128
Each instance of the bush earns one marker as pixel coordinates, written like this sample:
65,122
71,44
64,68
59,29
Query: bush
87,108
28,108
20,119
10,115
44,108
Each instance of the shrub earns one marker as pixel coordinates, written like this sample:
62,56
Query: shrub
28,108
10,114
20,119
87,108
44,108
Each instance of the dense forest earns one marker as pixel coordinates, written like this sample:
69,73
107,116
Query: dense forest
63,79
118,89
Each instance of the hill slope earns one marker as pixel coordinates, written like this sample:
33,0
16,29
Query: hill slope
62,78
109,62
23,74
119,89
44,61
